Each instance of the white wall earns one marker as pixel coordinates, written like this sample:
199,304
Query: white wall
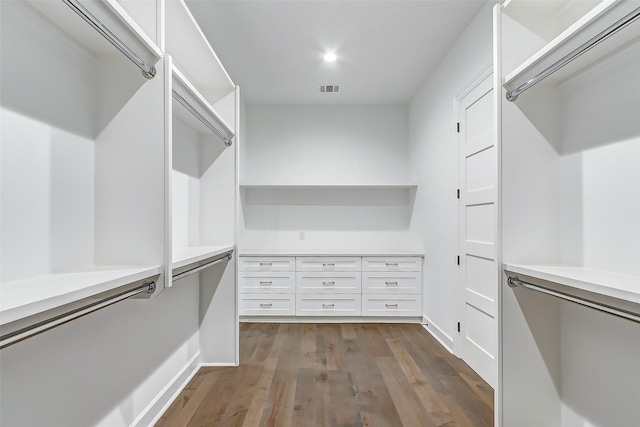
326,145
433,153
105,368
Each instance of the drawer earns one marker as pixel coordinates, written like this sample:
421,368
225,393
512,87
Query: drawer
391,305
256,282
267,305
398,282
328,305
328,263
392,264
328,282
267,264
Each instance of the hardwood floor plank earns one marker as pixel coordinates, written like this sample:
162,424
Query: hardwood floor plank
431,401
304,409
403,396
308,346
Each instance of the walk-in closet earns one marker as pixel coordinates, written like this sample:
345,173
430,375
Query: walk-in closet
395,213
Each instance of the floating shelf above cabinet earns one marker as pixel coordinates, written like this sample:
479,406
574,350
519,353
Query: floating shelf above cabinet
600,17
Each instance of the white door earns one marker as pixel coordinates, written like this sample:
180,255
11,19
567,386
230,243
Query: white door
477,341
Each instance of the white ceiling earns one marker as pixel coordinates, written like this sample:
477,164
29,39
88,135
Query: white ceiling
386,48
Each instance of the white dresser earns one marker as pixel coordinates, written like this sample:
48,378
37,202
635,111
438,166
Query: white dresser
313,287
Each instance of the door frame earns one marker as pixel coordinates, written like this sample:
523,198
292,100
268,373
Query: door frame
458,291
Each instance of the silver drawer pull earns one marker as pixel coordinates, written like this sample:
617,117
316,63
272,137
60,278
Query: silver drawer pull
265,283
328,264
389,264
391,283
266,305
328,305
328,283
391,305
266,264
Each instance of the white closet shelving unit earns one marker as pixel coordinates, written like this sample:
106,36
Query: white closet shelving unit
202,117
114,181
82,158
570,164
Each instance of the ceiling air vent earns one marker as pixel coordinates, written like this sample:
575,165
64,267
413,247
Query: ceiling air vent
330,88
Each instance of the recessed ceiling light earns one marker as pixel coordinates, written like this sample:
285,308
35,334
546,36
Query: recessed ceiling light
330,57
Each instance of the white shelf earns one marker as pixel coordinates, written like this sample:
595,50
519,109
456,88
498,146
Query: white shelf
319,186
606,283
24,298
329,253
188,91
596,20
191,51
185,257
113,16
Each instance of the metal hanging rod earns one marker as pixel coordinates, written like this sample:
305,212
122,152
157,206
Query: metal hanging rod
200,117
200,268
148,71
515,282
594,41
67,316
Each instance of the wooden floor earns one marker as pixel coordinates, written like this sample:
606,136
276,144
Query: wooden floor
335,375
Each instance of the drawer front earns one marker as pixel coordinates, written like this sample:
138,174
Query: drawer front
328,264
328,305
256,282
328,283
391,305
267,264
392,264
267,305
392,282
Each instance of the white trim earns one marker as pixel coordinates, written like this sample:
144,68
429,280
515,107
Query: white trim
319,319
218,365
441,336
151,414
458,295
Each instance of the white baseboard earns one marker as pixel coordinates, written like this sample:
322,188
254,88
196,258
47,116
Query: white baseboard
169,393
217,365
327,319
441,336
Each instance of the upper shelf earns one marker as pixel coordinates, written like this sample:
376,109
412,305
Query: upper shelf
579,280
187,44
594,21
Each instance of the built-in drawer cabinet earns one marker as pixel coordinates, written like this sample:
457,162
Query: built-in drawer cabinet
399,282
330,286
328,305
267,305
391,305
328,264
328,283
391,264
267,264
256,282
